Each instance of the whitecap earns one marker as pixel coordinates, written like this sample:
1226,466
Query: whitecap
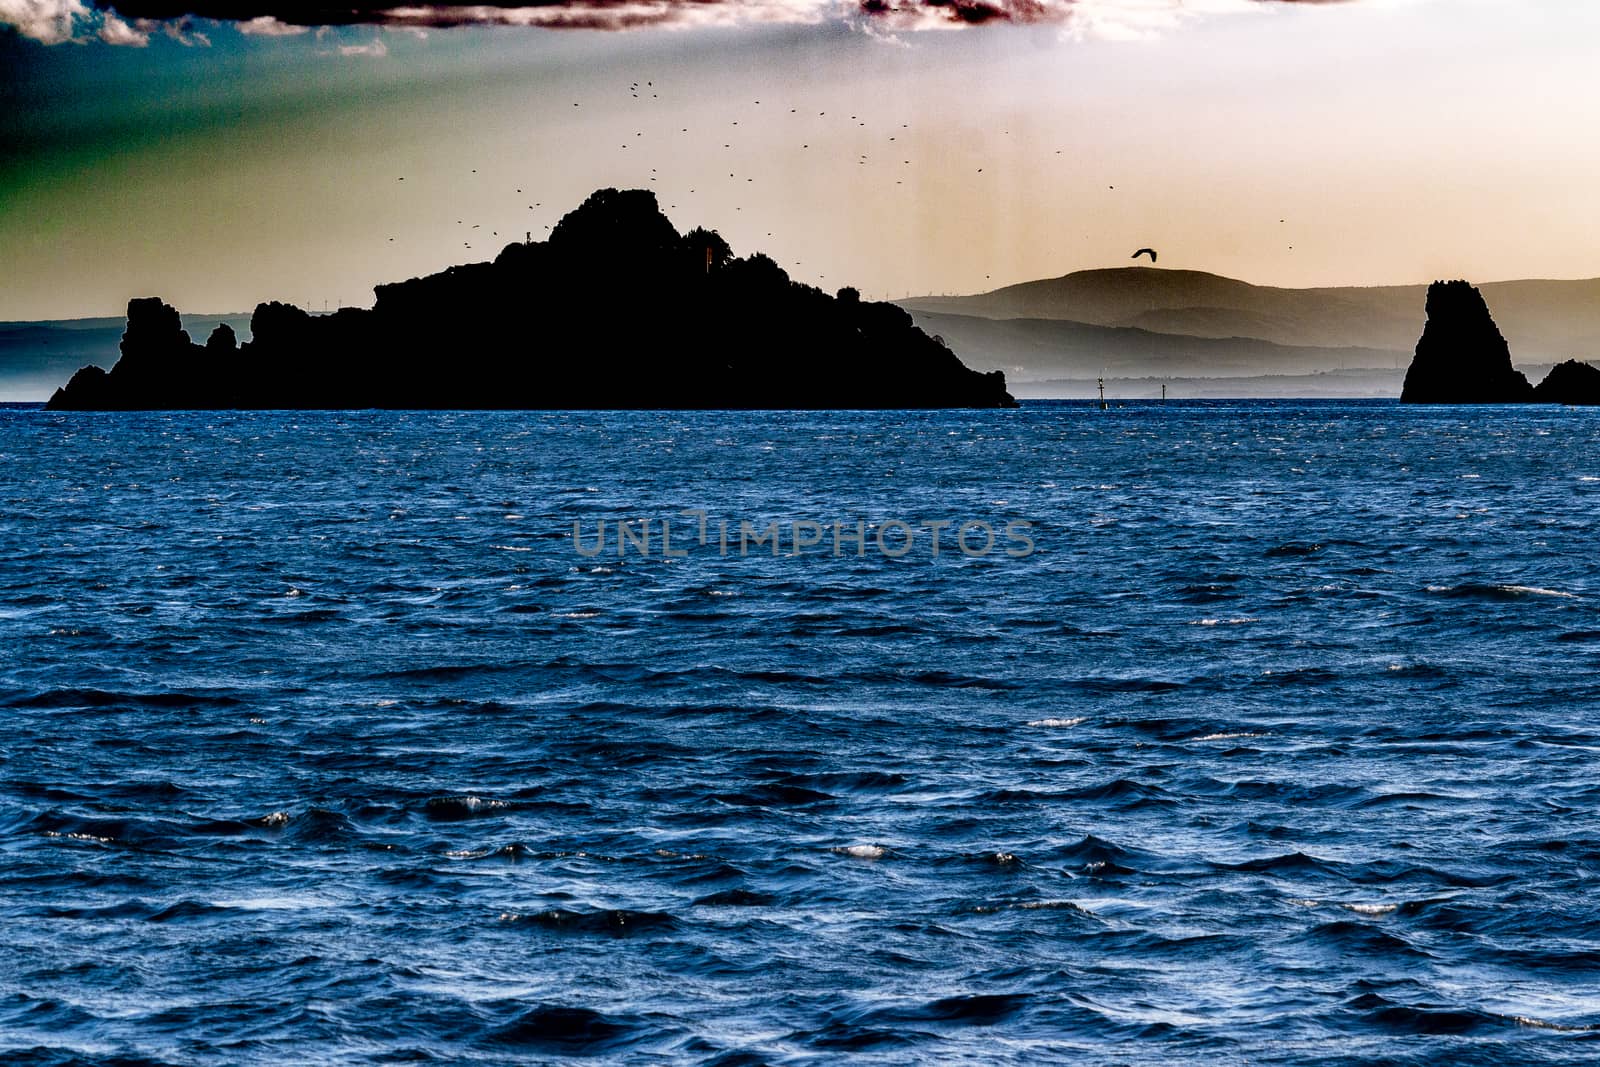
1545,1024
1057,723
270,903
1226,737
862,852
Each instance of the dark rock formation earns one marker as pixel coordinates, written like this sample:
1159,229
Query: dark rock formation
1571,382
159,367
1461,357
222,340
614,310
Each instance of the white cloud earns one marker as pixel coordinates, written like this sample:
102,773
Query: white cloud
49,21
114,31
182,31
375,47
267,26
58,21
54,21
1140,20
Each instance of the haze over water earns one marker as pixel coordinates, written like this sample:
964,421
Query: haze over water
325,745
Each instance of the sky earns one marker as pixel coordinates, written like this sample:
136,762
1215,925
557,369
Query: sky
898,148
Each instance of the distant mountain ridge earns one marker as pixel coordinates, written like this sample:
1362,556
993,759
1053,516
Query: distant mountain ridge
1544,320
105,322
36,357
1060,347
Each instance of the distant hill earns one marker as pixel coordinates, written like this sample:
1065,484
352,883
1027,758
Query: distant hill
36,357
1030,349
1544,321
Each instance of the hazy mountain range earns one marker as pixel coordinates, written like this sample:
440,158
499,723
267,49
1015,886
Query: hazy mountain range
36,358
1209,335
1140,327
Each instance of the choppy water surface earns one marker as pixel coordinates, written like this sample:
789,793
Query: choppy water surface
323,744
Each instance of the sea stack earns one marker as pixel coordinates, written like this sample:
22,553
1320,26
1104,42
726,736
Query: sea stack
1571,382
1461,357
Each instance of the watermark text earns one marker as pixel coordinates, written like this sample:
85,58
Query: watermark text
694,530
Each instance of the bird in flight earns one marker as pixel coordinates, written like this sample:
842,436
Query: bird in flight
1145,252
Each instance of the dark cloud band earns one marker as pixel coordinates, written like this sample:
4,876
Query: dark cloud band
131,21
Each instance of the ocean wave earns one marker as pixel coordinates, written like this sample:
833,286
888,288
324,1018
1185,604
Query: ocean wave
608,922
1498,591
562,1030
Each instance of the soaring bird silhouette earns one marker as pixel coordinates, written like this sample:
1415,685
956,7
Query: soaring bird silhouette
1145,252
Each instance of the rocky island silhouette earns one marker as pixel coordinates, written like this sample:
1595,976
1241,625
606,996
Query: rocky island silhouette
615,309
1462,358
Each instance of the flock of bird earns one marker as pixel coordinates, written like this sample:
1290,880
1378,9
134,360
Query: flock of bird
736,181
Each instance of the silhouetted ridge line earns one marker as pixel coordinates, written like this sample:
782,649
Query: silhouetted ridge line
1462,358
615,310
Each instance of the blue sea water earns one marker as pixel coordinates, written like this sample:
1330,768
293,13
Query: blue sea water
325,742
